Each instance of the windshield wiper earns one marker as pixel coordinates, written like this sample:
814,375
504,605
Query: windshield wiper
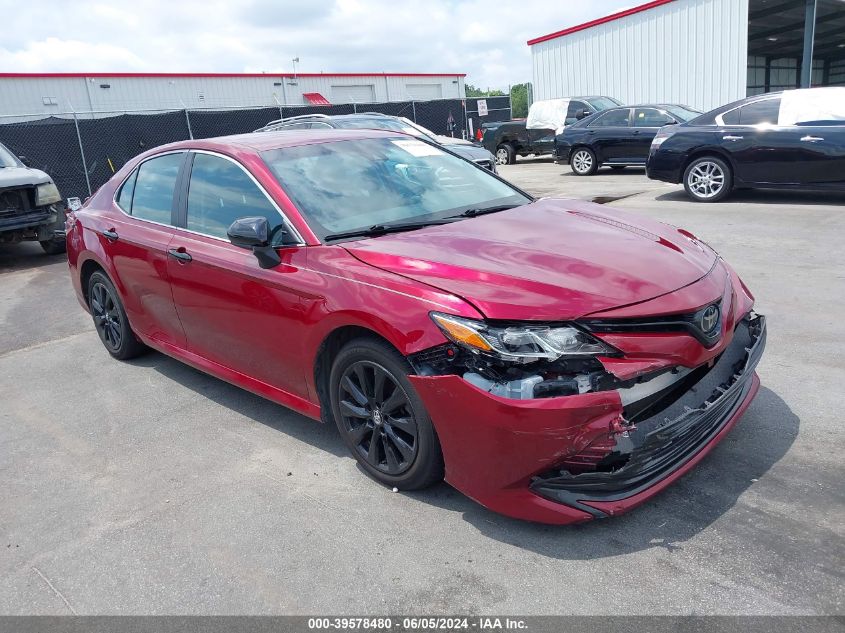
382,229
471,213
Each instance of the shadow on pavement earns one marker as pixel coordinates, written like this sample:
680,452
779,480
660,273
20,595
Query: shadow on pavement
678,514
765,196
670,519
26,255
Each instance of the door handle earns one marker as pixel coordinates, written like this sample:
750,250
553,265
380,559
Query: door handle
636,132
731,137
180,253
110,234
811,139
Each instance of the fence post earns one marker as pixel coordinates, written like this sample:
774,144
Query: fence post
354,108
81,149
414,110
188,121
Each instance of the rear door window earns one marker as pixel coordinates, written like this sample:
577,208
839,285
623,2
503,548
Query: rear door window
155,183
765,111
651,117
614,118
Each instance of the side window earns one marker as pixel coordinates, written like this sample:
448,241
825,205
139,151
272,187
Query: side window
154,187
765,111
731,118
220,192
650,117
124,197
304,125
572,111
612,118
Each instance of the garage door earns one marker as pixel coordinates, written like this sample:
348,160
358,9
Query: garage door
353,94
424,92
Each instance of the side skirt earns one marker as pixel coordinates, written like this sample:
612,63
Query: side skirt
236,378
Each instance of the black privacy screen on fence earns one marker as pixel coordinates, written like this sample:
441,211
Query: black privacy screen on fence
103,142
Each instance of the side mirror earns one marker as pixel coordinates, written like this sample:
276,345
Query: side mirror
25,161
582,114
254,233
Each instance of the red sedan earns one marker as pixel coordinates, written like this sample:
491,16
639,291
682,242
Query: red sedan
555,360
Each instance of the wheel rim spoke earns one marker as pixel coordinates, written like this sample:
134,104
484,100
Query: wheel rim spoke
377,417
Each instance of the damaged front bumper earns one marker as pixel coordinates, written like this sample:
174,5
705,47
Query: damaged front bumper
515,456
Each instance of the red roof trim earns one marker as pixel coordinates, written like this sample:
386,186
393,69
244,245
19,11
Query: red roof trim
267,75
609,18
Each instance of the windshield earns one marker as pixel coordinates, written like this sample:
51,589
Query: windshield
7,159
394,125
352,185
603,103
684,114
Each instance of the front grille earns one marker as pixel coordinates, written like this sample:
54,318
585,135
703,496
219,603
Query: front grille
667,440
14,202
690,323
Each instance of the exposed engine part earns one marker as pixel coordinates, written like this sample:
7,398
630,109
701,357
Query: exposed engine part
516,389
650,387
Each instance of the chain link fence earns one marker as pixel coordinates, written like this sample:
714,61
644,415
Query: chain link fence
82,150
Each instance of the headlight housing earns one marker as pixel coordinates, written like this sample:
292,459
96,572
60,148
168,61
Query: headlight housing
47,193
520,343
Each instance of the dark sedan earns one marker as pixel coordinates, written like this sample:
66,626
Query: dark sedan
618,137
792,139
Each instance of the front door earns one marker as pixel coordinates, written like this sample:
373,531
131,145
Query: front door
234,312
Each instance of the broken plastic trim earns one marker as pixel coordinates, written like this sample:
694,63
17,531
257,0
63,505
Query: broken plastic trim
662,444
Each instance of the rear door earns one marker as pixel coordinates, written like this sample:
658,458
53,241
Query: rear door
610,134
137,237
644,126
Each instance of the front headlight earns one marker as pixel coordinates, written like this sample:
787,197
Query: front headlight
519,343
47,193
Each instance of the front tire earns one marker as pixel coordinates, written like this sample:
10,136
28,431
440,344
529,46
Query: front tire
381,419
583,162
110,319
708,179
505,154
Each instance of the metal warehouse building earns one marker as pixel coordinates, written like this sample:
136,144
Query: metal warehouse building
86,92
702,53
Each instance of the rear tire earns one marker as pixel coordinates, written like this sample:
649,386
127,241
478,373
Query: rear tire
54,246
505,154
583,162
708,179
110,319
380,417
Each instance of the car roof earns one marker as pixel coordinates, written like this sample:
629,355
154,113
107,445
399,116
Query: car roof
263,141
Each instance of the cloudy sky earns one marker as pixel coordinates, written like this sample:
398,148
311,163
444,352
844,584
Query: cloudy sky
483,38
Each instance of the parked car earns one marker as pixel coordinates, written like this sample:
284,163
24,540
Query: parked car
377,121
557,360
536,134
617,137
791,139
29,205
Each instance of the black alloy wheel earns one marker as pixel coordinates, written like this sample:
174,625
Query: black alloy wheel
381,418
377,414
110,319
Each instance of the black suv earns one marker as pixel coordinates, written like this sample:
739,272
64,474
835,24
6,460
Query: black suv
378,121
29,205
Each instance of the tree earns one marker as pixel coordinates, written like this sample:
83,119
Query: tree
519,101
472,91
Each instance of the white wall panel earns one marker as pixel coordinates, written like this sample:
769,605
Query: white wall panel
692,52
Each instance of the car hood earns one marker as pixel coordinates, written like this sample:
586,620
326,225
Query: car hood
550,260
451,140
471,152
21,177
